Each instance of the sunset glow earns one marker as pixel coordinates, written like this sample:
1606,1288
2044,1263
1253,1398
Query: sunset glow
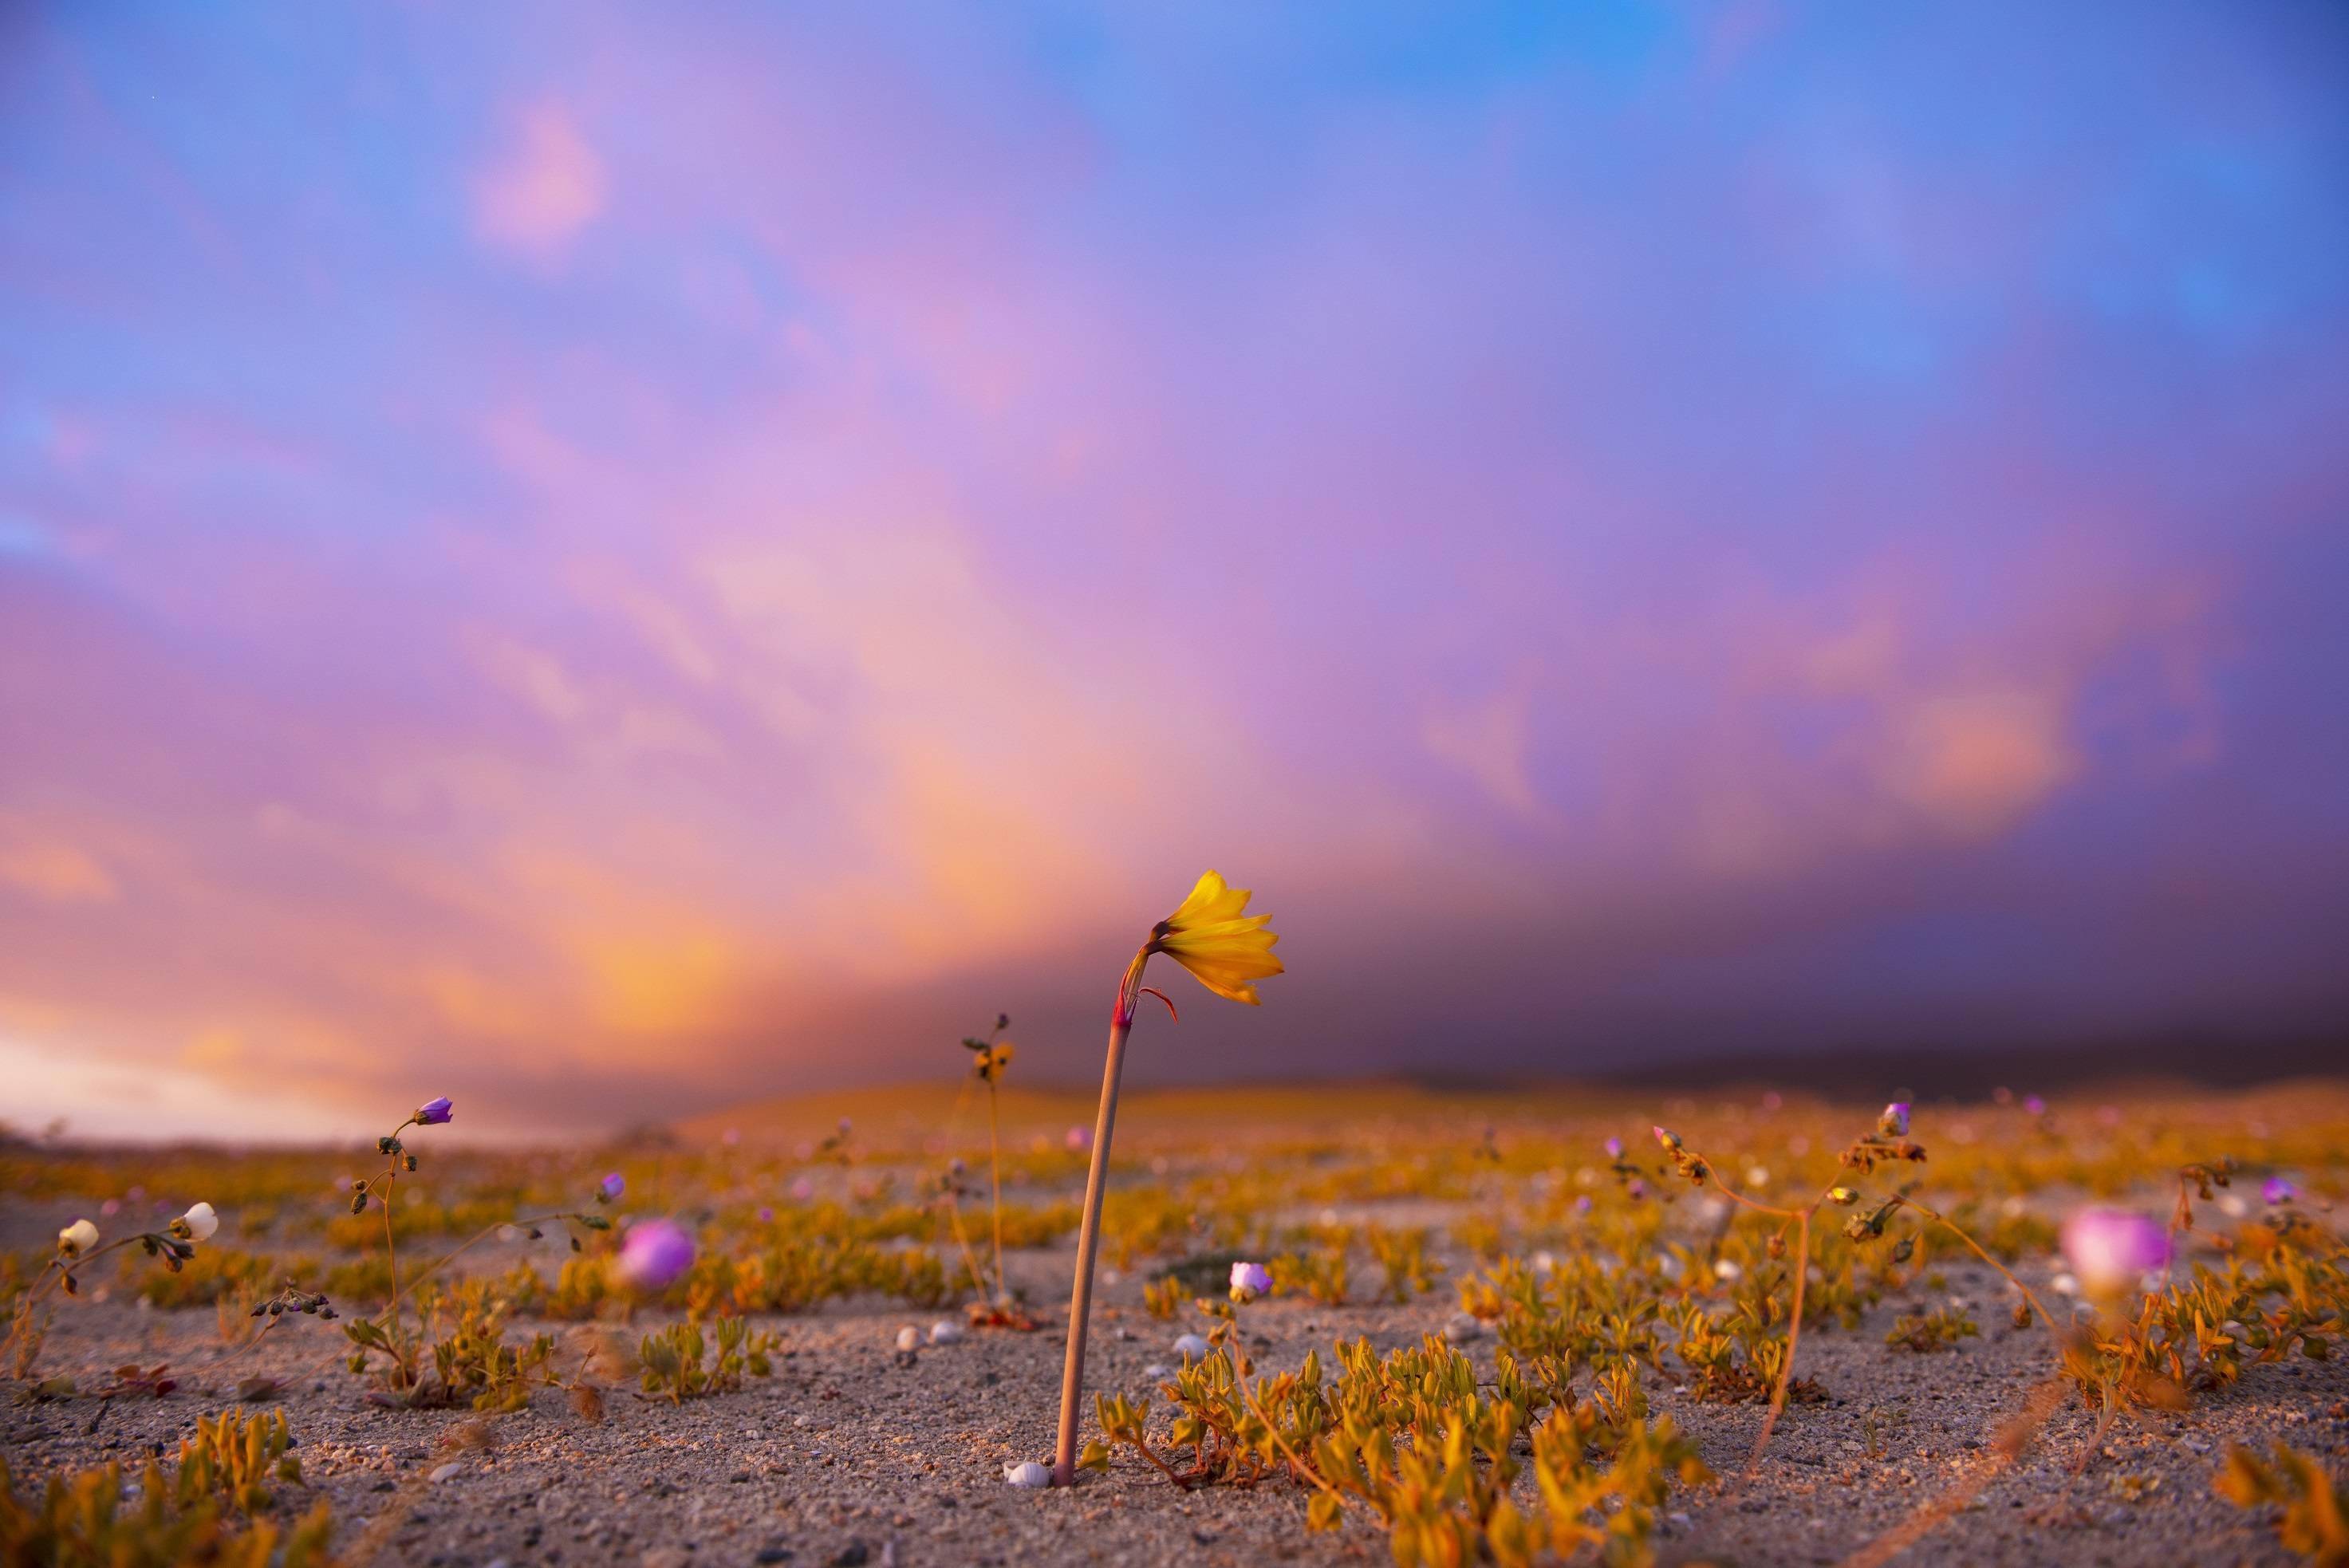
612,562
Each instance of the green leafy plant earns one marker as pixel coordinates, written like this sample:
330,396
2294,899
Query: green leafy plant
673,1359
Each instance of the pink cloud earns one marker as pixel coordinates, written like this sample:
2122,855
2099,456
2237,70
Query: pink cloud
545,186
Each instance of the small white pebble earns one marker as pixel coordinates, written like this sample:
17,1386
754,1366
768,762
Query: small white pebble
942,1332
2063,1284
1461,1326
1158,1369
445,1472
1027,1473
1190,1347
910,1337
1723,1268
2232,1206
1544,1263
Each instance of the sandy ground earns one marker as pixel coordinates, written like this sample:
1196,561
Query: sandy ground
852,1454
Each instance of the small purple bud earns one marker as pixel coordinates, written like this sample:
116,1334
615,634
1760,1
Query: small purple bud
766,1216
433,1112
611,1187
2278,1190
1614,1147
1582,1204
1894,1122
655,1253
2034,1106
1080,1139
2112,1249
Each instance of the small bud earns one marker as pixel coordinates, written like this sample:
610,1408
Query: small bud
1843,1197
1669,1139
411,1162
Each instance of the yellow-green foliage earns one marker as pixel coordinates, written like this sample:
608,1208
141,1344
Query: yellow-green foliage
214,1273
1403,1255
1939,1329
1163,1296
237,1456
83,1521
462,1335
672,1358
1319,1273
2313,1511
1412,1439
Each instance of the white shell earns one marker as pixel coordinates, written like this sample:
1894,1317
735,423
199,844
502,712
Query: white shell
945,1333
1460,1326
1190,1347
910,1337
1027,1473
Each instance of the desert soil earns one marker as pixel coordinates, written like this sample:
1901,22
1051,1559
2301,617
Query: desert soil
854,1453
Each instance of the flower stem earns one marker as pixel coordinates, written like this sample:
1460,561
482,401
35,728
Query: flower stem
995,1187
1080,1295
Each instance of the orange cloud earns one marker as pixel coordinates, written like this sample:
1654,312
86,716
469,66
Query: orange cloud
52,869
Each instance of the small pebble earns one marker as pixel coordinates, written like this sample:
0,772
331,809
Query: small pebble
445,1472
1461,1327
910,1337
944,1331
1190,1347
1027,1473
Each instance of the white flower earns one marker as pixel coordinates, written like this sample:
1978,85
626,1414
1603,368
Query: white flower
76,1238
202,1222
1027,1473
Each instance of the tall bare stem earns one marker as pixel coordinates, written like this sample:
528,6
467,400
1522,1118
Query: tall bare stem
1081,1296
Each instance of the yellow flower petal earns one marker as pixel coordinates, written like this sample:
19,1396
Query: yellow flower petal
1224,949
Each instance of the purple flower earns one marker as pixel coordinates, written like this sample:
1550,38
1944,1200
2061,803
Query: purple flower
1582,1204
1894,1122
1249,1280
2112,1249
2278,1190
766,1216
610,1186
1078,1140
654,1253
433,1112
2033,1105
1614,1147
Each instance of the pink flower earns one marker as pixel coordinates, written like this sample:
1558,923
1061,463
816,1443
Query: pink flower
1614,1147
655,1253
1894,1122
2112,1249
433,1112
1249,1280
2278,1190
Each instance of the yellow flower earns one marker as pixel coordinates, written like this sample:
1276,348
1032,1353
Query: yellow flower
1223,948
